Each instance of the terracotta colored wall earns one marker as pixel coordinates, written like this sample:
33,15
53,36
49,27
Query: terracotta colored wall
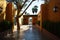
25,20
54,16
50,19
39,14
48,13
44,12
9,15
34,20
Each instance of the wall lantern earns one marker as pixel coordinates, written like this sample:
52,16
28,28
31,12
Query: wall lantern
55,9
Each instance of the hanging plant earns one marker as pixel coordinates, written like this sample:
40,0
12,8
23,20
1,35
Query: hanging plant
35,9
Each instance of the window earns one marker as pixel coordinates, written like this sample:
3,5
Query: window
55,9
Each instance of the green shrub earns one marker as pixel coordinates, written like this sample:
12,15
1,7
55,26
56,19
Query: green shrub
53,27
5,25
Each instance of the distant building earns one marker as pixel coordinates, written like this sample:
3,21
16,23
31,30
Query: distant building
26,19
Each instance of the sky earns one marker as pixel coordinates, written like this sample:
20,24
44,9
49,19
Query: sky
38,3
29,10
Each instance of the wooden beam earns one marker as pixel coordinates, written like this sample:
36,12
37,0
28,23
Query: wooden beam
20,7
25,9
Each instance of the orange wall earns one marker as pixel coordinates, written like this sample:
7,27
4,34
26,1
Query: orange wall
54,16
44,12
48,13
34,20
39,16
9,15
25,20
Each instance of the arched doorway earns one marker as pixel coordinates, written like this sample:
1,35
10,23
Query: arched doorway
30,21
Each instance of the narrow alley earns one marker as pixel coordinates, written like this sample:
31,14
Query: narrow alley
29,19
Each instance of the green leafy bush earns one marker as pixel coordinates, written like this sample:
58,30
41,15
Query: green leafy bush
5,25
